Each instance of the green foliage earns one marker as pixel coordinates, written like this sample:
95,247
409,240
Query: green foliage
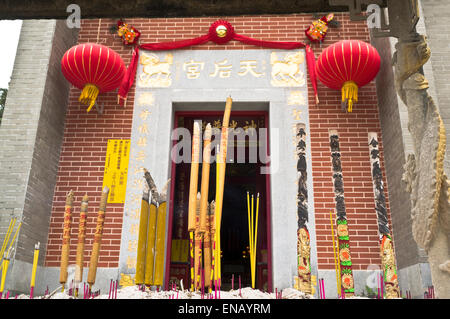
369,292
3,93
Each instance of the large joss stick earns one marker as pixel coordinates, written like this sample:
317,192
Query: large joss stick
151,236
154,260
142,238
66,239
212,224
207,252
221,161
149,275
335,255
205,180
386,248
97,238
34,269
197,245
193,187
81,241
160,236
203,225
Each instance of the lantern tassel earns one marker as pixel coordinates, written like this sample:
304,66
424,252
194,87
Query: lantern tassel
349,95
89,95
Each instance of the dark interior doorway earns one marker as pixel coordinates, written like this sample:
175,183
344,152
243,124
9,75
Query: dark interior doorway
240,178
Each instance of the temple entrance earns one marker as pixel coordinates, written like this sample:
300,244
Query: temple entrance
243,173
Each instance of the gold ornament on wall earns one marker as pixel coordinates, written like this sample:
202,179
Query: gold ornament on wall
155,73
286,72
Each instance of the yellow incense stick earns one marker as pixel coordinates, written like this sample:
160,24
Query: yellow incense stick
151,237
5,265
255,242
336,261
218,226
142,238
5,268
216,222
15,235
249,226
7,235
191,248
35,263
160,244
193,187
205,180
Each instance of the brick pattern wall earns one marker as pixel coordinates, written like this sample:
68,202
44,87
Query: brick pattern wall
86,135
353,129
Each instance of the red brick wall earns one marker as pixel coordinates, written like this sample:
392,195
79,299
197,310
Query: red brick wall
86,134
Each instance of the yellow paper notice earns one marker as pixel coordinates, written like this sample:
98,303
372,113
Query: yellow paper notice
116,169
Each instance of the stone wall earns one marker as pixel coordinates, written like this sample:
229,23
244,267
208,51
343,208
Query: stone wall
31,132
436,20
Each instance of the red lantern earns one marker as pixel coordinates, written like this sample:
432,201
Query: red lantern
94,69
346,66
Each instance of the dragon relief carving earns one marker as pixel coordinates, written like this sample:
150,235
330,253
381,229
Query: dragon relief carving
424,170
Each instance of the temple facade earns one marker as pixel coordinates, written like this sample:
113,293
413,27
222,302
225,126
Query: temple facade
51,145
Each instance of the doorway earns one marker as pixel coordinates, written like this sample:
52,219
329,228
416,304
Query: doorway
242,175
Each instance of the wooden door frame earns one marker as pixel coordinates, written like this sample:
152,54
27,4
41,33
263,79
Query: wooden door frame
179,114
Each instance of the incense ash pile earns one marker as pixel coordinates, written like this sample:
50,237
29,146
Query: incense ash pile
133,292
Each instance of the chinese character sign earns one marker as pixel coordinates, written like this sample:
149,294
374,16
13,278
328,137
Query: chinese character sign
116,169
221,68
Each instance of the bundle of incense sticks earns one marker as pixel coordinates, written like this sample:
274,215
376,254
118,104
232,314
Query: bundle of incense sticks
431,292
253,234
154,261
240,286
336,256
12,222
232,282
380,283
321,289
113,289
5,265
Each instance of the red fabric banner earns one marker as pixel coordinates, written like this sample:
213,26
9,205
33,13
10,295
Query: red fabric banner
130,75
